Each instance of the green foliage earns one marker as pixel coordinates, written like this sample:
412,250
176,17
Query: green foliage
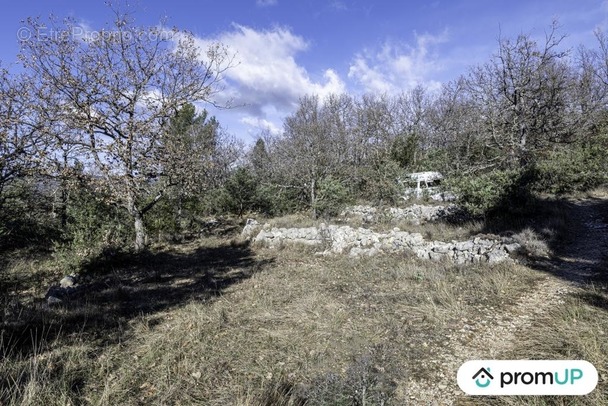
484,193
165,219
332,196
276,200
404,150
26,215
260,160
241,192
93,228
378,183
189,142
213,201
577,168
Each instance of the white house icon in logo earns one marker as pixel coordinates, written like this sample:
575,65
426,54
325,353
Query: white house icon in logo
485,376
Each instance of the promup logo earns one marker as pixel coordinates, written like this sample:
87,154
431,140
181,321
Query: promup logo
483,375
493,377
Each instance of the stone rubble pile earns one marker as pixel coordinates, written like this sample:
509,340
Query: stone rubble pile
341,239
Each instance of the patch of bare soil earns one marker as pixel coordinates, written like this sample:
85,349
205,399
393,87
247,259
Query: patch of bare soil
492,332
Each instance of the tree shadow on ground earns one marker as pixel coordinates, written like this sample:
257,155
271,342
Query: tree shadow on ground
578,244
116,290
576,233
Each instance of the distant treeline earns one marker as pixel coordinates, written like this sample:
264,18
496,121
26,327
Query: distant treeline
101,146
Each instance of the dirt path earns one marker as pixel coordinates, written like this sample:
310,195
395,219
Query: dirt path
489,336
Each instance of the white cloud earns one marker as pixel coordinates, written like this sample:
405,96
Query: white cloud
261,124
396,67
338,5
266,3
267,75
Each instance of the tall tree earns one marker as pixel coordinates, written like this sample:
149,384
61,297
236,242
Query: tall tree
260,161
188,175
117,90
523,93
307,147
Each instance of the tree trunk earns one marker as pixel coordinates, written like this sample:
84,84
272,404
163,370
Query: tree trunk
313,197
140,231
138,222
64,194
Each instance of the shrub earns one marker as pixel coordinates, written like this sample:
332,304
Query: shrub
241,192
576,168
482,194
277,200
27,215
378,183
93,227
332,196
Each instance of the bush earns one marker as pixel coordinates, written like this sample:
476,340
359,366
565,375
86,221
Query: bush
169,218
332,196
577,168
276,200
378,183
482,194
241,192
93,228
27,216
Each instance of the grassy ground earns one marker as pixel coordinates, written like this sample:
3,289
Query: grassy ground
218,322
327,330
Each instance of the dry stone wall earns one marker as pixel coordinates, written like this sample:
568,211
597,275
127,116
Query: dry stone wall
342,239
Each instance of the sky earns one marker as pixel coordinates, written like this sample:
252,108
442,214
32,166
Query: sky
287,49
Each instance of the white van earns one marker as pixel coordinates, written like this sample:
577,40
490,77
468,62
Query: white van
427,183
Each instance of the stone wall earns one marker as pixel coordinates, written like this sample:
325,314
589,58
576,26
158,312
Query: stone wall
335,239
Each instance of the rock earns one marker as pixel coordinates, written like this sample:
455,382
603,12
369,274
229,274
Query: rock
496,255
416,213
436,256
482,242
511,248
355,252
442,247
52,300
461,259
359,241
421,253
464,245
68,281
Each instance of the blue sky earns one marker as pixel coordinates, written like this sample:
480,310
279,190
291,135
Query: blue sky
287,49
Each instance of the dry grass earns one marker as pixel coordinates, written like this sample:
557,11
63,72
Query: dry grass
328,330
294,221
217,323
532,243
576,329
322,330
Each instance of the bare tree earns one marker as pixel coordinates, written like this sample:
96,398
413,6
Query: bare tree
306,146
23,143
523,94
117,89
